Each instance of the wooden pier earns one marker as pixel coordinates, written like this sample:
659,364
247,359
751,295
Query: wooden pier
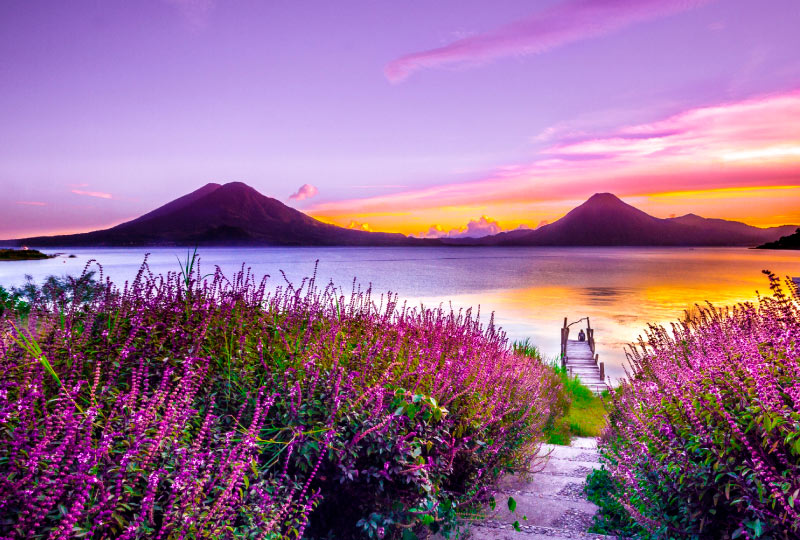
579,357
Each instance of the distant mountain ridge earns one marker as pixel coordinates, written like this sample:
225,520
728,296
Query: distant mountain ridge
791,241
237,214
606,220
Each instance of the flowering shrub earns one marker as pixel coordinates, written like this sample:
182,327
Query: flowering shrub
179,407
704,438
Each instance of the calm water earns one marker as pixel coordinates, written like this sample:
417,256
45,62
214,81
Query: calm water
530,290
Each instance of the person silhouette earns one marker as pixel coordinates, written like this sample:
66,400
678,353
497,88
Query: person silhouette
581,335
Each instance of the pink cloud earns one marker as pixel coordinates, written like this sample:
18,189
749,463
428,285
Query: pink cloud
476,228
98,194
566,22
740,144
32,203
306,191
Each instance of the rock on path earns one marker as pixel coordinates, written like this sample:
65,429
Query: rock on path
553,499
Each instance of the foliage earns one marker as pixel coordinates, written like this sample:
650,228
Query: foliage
55,291
22,255
704,438
565,390
180,407
611,517
13,301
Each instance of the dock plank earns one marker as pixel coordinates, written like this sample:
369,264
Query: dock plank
580,361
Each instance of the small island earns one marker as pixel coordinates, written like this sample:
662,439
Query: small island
791,241
23,255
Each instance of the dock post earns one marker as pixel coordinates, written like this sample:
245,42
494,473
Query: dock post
602,371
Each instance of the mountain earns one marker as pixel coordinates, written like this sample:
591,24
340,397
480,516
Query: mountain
721,228
605,220
230,214
236,214
791,241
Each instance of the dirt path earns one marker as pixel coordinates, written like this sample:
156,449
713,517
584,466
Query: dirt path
553,500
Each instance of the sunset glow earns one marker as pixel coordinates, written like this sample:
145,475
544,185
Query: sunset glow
716,161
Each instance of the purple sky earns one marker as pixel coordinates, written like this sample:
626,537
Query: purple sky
111,108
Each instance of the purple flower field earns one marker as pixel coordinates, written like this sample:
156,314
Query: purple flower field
180,407
704,437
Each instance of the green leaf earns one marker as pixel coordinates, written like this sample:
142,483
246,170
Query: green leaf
408,534
516,526
512,504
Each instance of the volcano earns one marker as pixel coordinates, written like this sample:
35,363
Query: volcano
229,214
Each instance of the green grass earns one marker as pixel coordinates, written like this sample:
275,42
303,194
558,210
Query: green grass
585,417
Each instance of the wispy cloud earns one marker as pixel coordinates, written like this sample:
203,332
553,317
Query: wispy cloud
306,191
745,144
32,203
378,186
98,194
195,12
566,22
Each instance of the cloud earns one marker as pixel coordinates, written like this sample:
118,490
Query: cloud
32,203
742,144
566,22
359,226
476,228
306,191
98,194
379,186
195,12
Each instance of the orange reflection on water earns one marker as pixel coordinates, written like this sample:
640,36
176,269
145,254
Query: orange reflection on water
622,291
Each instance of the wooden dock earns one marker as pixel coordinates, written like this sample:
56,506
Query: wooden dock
579,357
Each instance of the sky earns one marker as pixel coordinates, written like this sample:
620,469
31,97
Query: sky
445,117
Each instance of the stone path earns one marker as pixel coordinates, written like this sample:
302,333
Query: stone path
553,499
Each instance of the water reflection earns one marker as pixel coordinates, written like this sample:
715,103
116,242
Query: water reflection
604,295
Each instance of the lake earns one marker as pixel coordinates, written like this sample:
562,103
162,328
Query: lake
530,290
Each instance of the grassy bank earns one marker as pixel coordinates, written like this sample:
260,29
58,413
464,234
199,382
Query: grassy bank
586,415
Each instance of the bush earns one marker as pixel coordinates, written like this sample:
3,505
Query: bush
704,438
55,290
611,517
177,407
